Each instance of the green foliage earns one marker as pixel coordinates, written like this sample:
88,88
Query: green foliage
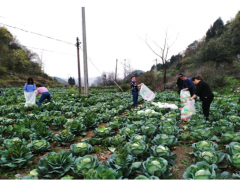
84,164
230,136
165,139
15,155
39,146
233,148
211,156
201,145
76,127
235,160
137,147
55,165
103,172
157,166
81,149
203,170
164,152
64,137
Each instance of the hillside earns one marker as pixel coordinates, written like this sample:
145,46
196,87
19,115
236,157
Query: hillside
17,63
216,57
134,73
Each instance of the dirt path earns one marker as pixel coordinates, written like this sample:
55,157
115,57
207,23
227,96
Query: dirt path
182,162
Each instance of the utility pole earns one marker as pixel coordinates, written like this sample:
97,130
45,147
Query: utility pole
116,70
79,72
125,68
85,52
156,66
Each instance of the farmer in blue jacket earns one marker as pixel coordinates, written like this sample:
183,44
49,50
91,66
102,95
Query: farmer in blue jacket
29,86
188,85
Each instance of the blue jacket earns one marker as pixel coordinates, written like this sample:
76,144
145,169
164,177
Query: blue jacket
188,84
29,87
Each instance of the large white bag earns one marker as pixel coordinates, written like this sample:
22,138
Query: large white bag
188,110
30,98
184,96
191,106
146,93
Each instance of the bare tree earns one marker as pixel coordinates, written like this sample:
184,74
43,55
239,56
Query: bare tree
41,61
163,54
98,81
127,68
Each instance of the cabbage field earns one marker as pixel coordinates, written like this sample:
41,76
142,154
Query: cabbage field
100,136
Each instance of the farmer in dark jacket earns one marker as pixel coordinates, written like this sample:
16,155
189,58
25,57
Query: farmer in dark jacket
179,83
204,92
188,85
134,88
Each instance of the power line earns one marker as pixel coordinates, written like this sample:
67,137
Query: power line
48,50
38,34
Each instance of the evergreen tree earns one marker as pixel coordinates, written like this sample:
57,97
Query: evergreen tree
71,81
218,27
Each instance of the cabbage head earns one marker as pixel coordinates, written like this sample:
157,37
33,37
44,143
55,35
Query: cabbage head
234,119
164,152
202,170
149,130
169,130
83,164
235,160
128,131
64,137
164,139
114,125
95,141
102,131
230,136
76,127
222,126
55,165
137,148
201,145
39,146
157,166
116,140
209,155
103,172
233,148
122,161
138,137
202,134
81,149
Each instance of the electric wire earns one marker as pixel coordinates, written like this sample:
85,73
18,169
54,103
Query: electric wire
38,34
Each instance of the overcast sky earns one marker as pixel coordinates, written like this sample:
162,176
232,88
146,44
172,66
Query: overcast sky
114,29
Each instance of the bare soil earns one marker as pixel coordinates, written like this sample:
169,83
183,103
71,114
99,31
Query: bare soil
183,161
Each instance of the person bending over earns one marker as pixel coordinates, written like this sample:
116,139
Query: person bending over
205,93
45,94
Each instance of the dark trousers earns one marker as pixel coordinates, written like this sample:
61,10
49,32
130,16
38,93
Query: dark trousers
45,95
206,102
135,98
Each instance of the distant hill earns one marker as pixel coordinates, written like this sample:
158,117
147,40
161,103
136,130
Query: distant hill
60,80
65,81
134,73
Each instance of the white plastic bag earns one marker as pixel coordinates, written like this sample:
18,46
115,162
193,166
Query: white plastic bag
30,98
146,93
184,96
191,106
188,110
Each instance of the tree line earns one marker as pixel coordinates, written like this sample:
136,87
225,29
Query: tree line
17,59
